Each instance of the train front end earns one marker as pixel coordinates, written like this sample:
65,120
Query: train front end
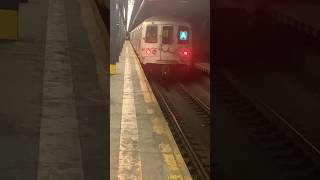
184,44
167,43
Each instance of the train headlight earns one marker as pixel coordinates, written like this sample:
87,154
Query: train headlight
148,51
154,51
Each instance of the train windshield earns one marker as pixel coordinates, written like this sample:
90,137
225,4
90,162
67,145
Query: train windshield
183,35
152,34
167,33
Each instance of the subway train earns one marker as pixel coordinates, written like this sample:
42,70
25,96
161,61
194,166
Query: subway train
162,43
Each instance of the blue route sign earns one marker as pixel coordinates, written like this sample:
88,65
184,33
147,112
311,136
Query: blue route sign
183,36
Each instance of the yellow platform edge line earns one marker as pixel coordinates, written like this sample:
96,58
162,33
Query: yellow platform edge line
9,24
113,69
172,157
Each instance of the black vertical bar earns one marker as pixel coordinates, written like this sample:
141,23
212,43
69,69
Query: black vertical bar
9,4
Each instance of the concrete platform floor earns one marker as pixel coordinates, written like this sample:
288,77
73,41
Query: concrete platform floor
142,146
52,109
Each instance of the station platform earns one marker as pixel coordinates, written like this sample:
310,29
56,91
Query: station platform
142,146
203,66
53,112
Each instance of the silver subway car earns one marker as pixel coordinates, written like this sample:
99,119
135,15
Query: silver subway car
163,41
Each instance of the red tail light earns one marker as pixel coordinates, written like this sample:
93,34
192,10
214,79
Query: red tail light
185,53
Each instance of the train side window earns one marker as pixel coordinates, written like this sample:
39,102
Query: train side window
183,36
167,33
152,34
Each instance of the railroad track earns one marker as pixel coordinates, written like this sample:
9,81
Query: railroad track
202,109
270,131
194,99
194,156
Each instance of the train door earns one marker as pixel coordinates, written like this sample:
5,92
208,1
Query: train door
139,34
168,46
151,44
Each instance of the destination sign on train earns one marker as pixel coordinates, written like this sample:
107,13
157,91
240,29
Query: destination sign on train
183,35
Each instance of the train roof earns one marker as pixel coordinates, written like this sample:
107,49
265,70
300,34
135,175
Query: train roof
165,18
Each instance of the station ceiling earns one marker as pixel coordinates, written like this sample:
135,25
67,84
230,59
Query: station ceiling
191,10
